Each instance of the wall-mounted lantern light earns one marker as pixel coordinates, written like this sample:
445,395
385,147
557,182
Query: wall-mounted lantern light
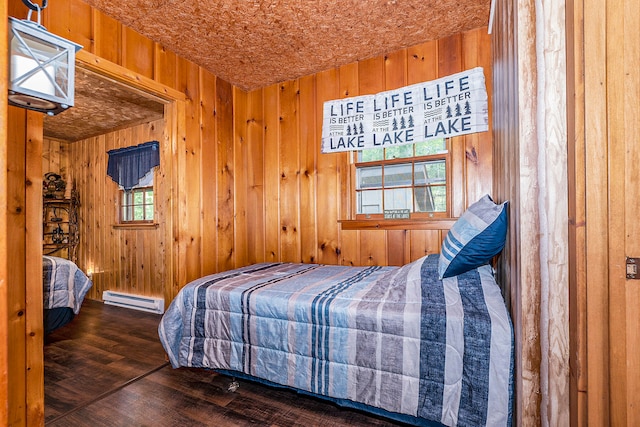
41,66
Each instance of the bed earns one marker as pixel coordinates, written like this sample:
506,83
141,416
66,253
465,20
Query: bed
429,343
64,289
397,341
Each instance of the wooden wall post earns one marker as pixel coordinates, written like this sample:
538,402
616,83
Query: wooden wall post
24,297
4,244
530,169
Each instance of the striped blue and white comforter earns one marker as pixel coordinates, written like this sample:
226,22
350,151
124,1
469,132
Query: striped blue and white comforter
396,338
64,284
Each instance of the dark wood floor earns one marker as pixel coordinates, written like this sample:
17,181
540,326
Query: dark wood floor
108,368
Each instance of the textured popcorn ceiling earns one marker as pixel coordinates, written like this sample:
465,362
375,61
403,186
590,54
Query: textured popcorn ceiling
101,105
254,43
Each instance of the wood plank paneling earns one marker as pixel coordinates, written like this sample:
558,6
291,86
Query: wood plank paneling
349,86
450,62
271,180
5,244
395,69
33,277
371,243
71,19
506,178
189,174
138,56
289,160
256,192
23,368
16,258
630,196
478,147
208,160
622,113
309,150
328,84
596,213
108,37
422,62
241,163
165,68
167,195
577,219
425,242
603,116
225,175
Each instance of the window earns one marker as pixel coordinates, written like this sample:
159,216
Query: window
137,204
411,177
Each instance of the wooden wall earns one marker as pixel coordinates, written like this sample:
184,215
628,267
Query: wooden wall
55,158
4,215
508,128
251,184
24,369
604,84
289,198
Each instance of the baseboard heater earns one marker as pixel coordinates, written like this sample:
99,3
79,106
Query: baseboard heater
136,302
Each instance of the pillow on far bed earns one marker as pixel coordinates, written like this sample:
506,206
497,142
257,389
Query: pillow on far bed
476,237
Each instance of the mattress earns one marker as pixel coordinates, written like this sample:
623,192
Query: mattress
394,338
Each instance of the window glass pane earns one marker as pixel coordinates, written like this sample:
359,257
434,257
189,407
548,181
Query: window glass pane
370,177
370,202
138,197
397,175
398,198
138,213
399,152
148,197
125,217
439,193
148,212
431,199
433,172
433,146
370,155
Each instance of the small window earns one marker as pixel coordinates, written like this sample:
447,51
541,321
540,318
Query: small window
137,204
410,177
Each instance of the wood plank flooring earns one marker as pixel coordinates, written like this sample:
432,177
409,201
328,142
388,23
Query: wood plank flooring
108,368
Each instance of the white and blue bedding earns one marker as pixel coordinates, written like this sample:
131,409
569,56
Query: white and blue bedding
64,289
394,338
65,285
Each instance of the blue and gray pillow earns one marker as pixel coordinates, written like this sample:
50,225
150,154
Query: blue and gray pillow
476,237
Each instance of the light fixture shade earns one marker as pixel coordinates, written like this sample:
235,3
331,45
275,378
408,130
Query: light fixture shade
41,68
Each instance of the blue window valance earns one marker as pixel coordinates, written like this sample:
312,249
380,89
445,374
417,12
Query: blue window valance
126,166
